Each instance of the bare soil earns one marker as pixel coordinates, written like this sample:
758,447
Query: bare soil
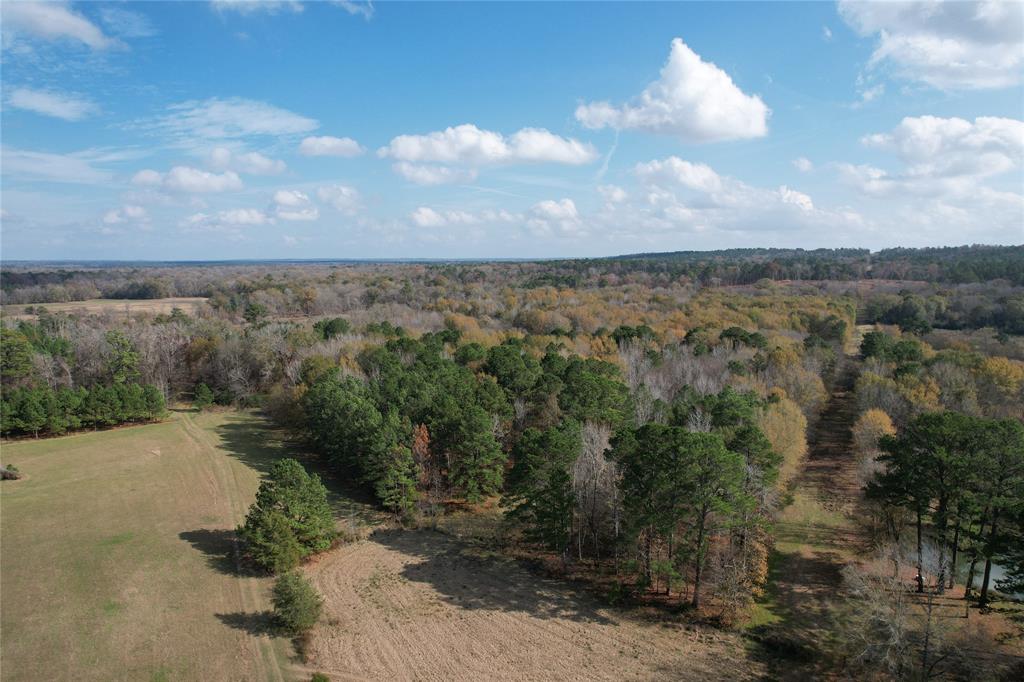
420,605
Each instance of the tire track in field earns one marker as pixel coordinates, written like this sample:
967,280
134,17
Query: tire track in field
263,657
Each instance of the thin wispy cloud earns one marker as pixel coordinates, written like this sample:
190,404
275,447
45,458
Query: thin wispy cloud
66,106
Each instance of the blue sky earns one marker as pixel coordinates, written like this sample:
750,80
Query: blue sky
199,130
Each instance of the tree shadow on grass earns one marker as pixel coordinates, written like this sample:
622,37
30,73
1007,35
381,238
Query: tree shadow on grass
255,624
468,581
222,550
258,444
801,590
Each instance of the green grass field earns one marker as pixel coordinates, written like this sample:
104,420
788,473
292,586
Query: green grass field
118,562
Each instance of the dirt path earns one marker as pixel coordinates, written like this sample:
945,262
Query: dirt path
419,605
815,536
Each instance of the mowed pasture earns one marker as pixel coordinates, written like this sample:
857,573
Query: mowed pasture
110,306
118,560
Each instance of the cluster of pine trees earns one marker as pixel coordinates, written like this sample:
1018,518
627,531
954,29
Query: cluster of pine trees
960,478
39,410
426,426
559,438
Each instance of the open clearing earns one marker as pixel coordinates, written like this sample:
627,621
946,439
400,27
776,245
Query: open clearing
407,605
118,563
117,557
110,306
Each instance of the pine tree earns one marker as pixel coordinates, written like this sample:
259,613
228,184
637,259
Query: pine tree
300,499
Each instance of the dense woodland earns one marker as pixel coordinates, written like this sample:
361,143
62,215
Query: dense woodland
641,417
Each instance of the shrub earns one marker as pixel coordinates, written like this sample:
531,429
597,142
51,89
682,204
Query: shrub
203,397
296,603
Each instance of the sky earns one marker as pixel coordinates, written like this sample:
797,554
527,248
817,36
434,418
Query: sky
337,129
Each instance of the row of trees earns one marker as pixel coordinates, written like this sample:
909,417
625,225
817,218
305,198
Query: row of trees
42,410
289,521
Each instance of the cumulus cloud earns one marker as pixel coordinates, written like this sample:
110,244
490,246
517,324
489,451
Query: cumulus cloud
342,197
948,45
955,146
680,195
433,175
189,180
252,163
54,21
65,106
946,188
290,204
226,119
673,170
944,157
551,217
692,100
330,146
468,145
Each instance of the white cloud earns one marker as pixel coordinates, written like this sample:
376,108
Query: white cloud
826,33
190,180
696,176
147,178
468,145
433,175
76,168
126,23
66,106
692,197
292,204
555,217
356,7
944,190
693,100
224,119
252,163
798,199
803,164
330,146
868,94
342,197
231,221
944,157
950,45
613,194
251,6
54,21
424,216
955,146
125,214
